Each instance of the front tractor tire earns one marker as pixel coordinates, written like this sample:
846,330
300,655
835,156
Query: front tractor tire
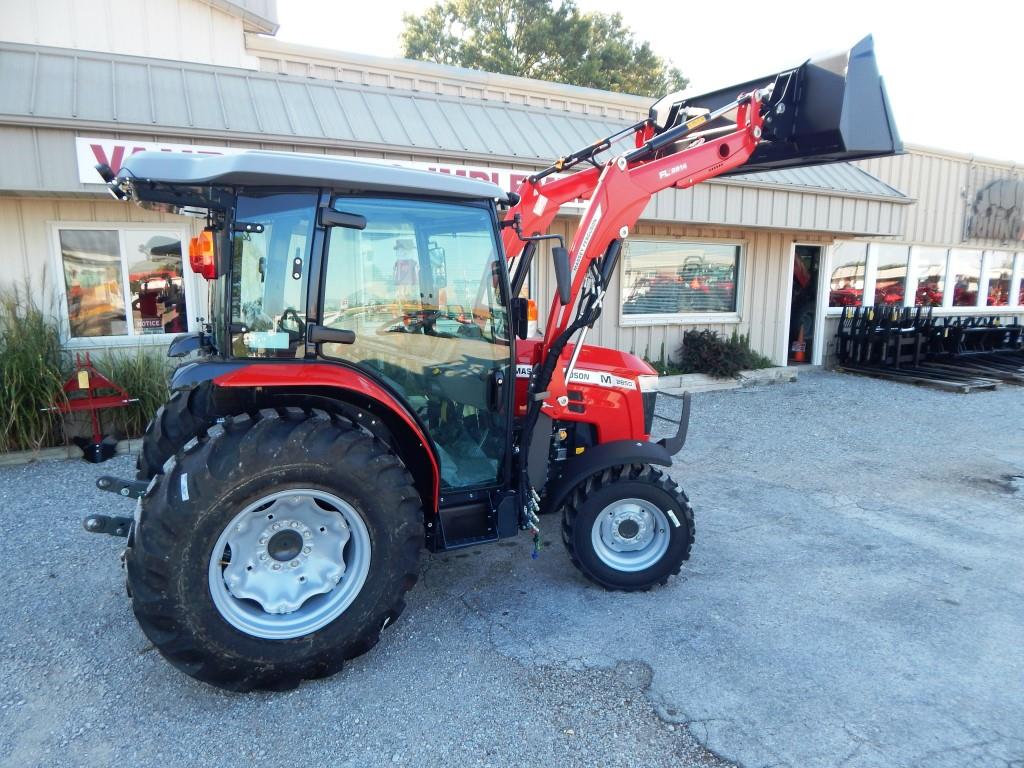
628,528
273,549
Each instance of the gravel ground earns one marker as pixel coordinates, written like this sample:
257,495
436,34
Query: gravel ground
854,598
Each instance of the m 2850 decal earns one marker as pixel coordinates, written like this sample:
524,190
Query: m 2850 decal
597,378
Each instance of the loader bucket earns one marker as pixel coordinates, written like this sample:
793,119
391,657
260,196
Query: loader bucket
827,110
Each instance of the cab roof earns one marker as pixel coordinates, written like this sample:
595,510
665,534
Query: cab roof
254,168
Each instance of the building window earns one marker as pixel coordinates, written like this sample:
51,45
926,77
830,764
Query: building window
1020,279
849,266
890,274
930,275
965,275
1000,271
123,282
662,277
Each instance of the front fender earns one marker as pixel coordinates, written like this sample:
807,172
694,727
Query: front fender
599,458
616,453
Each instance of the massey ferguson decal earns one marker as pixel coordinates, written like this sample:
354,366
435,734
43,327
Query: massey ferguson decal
597,378
594,221
523,371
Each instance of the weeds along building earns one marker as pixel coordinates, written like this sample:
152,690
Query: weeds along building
763,254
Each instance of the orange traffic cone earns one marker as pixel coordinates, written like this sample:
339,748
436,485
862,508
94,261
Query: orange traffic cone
799,348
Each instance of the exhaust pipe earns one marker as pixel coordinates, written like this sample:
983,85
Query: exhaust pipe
827,110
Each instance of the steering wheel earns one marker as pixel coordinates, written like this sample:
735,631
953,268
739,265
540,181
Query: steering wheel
300,325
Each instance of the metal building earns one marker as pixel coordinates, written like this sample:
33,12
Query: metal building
208,76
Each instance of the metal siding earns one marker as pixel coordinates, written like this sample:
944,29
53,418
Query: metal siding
58,165
59,74
95,90
943,186
239,111
133,93
19,169
204,107
300,107
16,74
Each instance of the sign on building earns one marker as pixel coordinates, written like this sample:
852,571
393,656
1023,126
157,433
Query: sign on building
997,212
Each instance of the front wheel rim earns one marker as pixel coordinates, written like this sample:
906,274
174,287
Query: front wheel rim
289,564
630,535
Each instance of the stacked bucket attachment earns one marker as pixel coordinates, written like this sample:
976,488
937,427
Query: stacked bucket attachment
956,353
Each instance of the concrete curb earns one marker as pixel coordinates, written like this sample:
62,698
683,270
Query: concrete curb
64,452
700,382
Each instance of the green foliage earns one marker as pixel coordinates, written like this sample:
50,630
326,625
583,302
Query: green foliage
144,372
664,367
707,352
32,368
542,40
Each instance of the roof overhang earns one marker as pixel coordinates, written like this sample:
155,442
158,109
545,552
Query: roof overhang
291,169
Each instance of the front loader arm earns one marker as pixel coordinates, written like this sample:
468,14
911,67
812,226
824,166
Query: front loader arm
539,203
623,190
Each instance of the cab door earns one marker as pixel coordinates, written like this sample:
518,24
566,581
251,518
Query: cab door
423,290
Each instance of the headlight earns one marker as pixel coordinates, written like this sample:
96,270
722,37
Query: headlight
648,383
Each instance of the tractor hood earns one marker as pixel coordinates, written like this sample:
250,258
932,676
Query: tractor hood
826,110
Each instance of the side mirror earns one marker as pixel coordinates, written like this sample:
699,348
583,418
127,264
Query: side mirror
332,218
563,277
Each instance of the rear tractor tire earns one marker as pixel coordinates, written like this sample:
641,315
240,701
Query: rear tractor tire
628,528
273,549
188,414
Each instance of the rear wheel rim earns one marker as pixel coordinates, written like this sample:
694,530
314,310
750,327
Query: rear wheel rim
630,535
289,564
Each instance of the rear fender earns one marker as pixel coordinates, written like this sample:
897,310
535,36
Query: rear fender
335,382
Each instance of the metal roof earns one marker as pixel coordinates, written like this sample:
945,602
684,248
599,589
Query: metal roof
64,86
255,168
841,178
83,90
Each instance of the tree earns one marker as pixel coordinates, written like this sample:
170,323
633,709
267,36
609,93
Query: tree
542,40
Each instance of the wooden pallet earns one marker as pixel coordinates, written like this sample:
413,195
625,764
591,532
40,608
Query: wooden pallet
952,382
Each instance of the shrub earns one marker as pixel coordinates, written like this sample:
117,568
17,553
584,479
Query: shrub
144,373
32,372
707,352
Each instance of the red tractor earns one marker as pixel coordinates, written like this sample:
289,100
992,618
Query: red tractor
366,385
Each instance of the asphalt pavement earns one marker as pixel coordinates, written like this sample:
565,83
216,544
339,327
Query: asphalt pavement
855,598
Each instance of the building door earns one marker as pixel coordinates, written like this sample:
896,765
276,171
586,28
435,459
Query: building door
804,301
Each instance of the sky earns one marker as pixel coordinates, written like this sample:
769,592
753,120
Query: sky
954,73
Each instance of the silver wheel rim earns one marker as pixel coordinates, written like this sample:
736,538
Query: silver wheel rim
630,535
289,564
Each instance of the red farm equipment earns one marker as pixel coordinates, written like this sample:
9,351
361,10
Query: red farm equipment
367,386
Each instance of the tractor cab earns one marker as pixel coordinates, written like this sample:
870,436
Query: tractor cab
393,275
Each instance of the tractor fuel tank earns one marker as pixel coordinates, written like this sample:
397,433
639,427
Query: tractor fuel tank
827,110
